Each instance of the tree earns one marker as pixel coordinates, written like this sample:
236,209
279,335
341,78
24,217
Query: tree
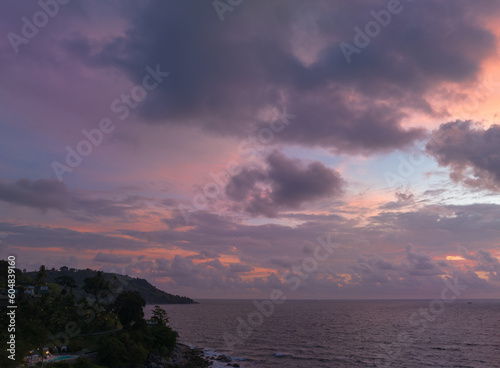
63,269
93,285
66,282
159,316
111,352
41,276
129,308
164,338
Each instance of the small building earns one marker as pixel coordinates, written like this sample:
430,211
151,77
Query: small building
29,292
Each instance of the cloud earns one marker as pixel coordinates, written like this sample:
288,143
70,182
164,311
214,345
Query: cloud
28,236
422,264
240,268
285,184
434,192
355,108
471,152
111,258
377,271
87,207
42,194
439,227
485,262
203,272
403,200
79,205
210,274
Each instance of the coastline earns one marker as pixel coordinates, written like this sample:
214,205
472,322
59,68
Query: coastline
185,356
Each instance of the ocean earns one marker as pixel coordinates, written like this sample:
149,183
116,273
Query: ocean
321,333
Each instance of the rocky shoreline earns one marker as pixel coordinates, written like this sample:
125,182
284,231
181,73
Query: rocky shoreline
184,356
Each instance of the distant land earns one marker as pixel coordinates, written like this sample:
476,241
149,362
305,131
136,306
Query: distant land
150,293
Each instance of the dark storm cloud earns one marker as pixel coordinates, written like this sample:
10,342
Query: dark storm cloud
471,152
286,184
42,194
222,74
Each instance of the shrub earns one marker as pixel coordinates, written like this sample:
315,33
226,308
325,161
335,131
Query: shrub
83,363
112,352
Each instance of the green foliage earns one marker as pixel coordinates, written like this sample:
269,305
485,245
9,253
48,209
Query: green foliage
61,365
164,339
93,285
67,282
150,293
112,352
129,308
41,276
48,320
21,349
159,316
83,363
75,344
4,265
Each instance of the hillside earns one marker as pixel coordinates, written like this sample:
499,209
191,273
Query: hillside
150,293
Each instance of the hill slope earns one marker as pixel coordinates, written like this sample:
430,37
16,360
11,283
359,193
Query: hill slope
150,293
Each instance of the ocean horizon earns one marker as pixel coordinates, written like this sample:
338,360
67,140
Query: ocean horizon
343,333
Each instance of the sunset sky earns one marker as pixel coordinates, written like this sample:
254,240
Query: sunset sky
206,146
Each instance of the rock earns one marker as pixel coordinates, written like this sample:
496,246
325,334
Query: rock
185,357
223,358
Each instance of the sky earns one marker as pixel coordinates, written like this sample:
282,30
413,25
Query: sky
228,148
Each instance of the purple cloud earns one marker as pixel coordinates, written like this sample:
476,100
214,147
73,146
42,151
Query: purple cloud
285,184
471,152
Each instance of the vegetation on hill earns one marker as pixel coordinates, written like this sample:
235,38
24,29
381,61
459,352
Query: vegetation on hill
95,317
150,293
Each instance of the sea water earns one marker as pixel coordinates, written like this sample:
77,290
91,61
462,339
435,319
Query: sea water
397,333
